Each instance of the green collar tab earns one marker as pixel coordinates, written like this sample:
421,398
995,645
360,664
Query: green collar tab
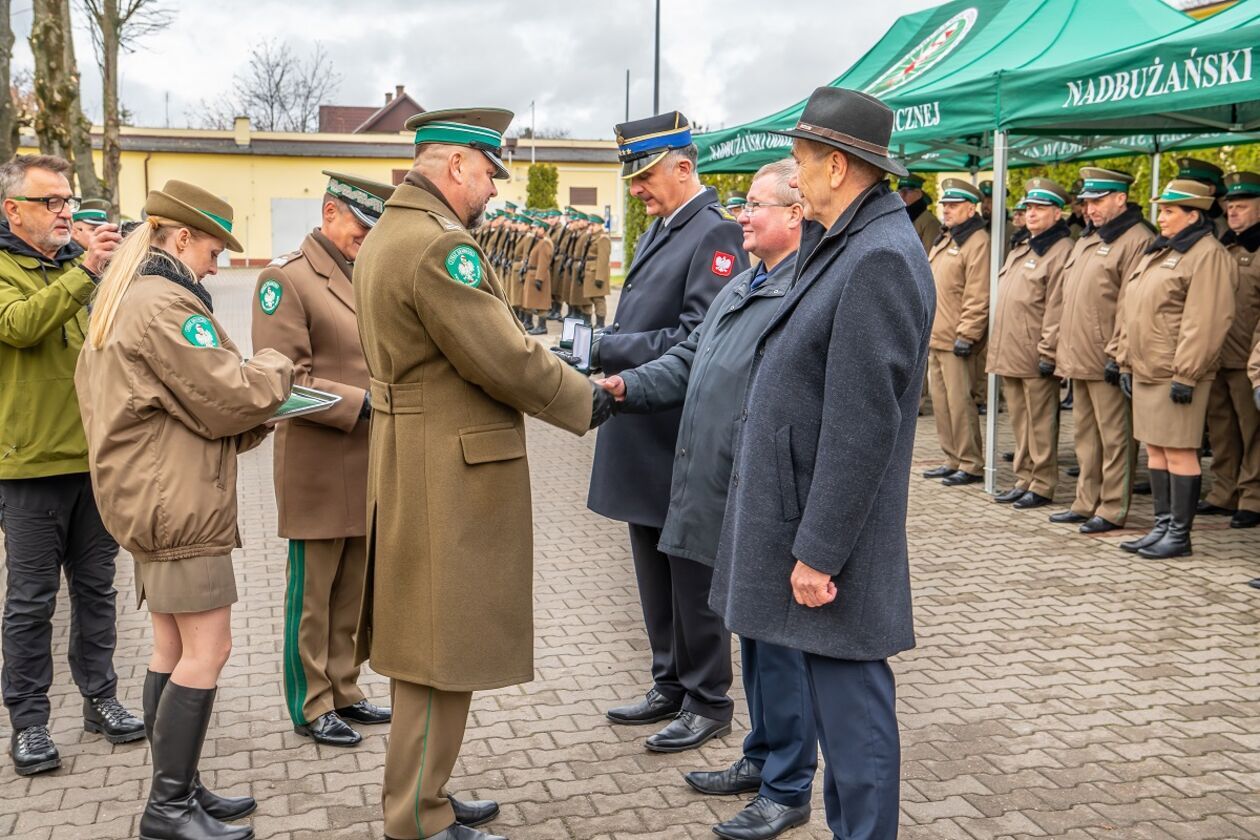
460,134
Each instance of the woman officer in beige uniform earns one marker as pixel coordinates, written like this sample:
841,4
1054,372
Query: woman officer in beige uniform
168,403
1175,312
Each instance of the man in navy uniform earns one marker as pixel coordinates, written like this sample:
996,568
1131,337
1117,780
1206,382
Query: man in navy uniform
685,257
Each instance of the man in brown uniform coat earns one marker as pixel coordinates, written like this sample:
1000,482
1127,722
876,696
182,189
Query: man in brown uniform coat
596,276
918,205
449,607
536,291
1101,262
304,308
1233,421
1027,308
960,266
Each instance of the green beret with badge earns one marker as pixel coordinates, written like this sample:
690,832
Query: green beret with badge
1242,185
365,198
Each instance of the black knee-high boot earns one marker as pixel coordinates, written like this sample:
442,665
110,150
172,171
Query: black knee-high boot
1185,503
178,733
225,808
1161,496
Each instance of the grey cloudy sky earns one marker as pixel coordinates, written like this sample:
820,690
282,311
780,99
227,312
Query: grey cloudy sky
722,63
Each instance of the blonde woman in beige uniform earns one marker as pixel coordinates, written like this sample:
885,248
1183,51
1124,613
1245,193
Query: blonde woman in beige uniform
168,403
1176,310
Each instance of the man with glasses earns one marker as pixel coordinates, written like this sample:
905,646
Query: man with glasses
707,375
51,524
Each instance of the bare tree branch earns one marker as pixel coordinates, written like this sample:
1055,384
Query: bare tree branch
277,90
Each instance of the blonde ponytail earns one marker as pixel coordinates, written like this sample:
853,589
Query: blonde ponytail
123,267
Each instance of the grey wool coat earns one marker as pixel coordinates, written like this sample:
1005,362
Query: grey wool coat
706,375
678,269
822,460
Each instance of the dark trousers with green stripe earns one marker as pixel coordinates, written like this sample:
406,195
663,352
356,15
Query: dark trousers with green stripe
1105,450
321,613
425,737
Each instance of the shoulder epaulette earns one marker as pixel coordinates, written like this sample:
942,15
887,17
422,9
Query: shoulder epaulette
284,259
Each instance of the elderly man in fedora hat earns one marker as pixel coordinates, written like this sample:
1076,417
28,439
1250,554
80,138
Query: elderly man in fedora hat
813,554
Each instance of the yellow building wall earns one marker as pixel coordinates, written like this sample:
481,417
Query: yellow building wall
250,182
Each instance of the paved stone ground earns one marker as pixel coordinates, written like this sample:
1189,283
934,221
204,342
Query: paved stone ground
1061,688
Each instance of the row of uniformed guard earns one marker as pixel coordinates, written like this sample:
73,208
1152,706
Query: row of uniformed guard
1155,334
550,260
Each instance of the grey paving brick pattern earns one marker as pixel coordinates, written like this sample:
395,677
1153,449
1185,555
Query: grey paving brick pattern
1061,688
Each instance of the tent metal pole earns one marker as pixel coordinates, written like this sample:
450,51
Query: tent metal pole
998,233
1152,209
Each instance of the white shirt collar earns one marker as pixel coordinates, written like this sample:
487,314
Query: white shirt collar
681,207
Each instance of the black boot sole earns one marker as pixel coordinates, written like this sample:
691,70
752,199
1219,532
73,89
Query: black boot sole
126,738
249,836
671,748
644,721
33,769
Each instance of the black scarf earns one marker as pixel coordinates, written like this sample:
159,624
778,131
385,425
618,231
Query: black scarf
1111,231
1042,241
1020,235
1185,240
916,210
1249,238
963,232
163,264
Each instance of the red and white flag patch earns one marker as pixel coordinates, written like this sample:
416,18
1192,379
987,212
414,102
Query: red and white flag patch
723,263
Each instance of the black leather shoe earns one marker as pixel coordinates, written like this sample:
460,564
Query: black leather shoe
762,819
1008,457
959,478
1014,494
365,712
741,777
1245,519
1254,583
939,472
460,832
474,812
1098,525
686,732
108,717
1206,508
1069,516
652,708
33,751
331,730
541,329
1031,500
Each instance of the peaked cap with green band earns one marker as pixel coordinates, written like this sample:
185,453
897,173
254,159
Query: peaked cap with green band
955,190
1097,182
986,188
93,211
911,181
599,220
1185,192
365,198
1046,192
478,128
190,205
1242,185
737,198
1194,169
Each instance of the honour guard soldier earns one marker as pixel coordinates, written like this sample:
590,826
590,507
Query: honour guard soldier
918,205
1193,169
1027,308
304,309
1177,310
563,242
536,287
691,250
579,306
1233,420
960,264
92,213
1102,260
514,277
449,607
596,270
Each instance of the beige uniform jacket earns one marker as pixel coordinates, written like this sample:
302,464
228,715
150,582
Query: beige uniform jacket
304,309
960,266
168,403
1238,343
449,594
537,287
928,227
1030,297
1175,313
597,278
1093,277
1253,365
575,290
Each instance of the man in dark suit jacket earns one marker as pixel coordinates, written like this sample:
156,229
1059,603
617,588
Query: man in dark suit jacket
813,548
688,254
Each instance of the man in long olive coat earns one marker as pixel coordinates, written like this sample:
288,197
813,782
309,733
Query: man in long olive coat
448,608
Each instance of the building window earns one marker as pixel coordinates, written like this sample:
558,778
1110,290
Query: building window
399,174
584,196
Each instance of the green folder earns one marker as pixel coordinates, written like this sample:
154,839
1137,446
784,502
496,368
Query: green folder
305,401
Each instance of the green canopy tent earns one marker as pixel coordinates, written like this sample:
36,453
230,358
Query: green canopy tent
938,70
